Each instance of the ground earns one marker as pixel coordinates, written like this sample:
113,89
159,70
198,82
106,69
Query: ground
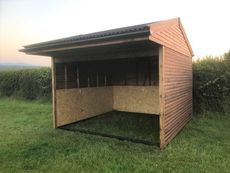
28,143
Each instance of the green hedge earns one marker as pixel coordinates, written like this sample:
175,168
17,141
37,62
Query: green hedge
211,84
26,83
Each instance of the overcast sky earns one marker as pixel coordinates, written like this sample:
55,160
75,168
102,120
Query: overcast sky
23,22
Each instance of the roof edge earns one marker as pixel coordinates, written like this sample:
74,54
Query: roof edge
93,36
185,37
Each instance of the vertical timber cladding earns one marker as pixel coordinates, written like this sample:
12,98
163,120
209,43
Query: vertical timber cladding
177,93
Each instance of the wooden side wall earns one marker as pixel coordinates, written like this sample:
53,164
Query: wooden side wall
76,104
142,99
177,93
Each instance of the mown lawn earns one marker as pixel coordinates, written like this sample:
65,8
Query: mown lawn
28,143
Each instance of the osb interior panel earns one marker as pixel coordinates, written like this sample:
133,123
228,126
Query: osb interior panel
177,86
77,104
143,99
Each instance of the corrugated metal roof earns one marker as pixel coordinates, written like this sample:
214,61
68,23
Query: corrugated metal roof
93,36
136,33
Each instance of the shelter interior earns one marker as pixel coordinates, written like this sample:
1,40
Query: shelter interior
92,81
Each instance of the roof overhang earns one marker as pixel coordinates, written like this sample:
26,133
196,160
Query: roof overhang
134,39
82,43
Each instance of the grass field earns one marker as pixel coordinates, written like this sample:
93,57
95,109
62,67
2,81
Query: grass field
28,143
129,126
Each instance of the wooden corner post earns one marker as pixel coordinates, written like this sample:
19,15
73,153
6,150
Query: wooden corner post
161,95
53,67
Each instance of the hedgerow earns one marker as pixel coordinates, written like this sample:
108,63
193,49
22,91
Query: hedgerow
211,84
26,83
9,82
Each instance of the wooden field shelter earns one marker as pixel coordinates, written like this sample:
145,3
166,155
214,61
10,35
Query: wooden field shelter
144,68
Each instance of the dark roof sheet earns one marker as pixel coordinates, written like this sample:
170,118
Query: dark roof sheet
93,36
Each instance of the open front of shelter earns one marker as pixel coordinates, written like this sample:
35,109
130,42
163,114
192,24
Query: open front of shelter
144,68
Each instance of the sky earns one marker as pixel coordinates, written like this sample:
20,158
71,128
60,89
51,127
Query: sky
24,22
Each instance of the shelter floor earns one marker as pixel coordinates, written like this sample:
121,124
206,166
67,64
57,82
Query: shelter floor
135,127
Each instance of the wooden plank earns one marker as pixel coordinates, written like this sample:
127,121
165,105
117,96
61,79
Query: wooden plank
161,96
170,114
171,123
53,68
174,85
66,77
172,42
170,33
181,97
171,135
176,103
78,81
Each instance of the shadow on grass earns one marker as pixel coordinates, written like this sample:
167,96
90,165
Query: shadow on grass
134,127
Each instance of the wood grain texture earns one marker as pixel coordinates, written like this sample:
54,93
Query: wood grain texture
161,96
77,104
142,99
177,87
170,33
53,70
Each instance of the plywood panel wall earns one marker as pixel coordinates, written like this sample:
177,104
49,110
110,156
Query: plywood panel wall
142,99
76,104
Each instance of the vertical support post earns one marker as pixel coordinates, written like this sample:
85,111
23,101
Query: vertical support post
161,96
88,81
66,77
78,82
105,79
150,72
125,75
88,75
137,73
53,68
97,80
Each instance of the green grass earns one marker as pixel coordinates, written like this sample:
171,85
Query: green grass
28,143
134,126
